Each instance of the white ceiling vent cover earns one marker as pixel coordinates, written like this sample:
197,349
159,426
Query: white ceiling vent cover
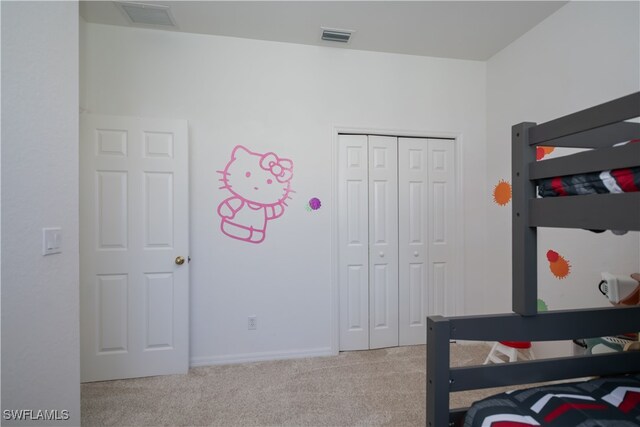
334,35
147,14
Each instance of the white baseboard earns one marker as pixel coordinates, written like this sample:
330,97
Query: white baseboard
259,357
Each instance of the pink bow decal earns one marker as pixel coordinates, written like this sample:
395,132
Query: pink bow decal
282,169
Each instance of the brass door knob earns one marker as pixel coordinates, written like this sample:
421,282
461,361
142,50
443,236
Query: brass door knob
179,260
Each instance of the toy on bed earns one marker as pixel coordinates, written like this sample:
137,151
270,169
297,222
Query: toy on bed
619,289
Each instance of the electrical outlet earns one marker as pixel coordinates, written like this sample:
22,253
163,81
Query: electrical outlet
253,323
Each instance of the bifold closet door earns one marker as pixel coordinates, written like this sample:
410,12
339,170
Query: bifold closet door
353,241
383,241
426,199
368,241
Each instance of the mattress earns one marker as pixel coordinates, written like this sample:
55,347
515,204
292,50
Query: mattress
613,401
612,181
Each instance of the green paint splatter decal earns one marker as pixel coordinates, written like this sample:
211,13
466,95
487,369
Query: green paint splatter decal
542,306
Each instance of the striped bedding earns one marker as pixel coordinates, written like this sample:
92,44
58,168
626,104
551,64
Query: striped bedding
613,181
613,401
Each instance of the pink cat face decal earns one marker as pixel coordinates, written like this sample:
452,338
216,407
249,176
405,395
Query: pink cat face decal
259,185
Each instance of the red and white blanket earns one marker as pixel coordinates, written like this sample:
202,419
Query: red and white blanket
602,402
612,181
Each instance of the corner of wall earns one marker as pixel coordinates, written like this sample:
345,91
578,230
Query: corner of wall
40,294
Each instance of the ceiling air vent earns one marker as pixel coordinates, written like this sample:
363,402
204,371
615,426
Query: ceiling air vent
147,14
333,35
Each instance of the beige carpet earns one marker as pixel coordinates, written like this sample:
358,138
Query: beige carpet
359,388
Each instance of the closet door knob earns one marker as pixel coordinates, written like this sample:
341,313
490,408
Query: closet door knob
415,254
381,254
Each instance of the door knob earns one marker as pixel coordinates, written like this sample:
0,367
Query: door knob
381,254
179,260
415,253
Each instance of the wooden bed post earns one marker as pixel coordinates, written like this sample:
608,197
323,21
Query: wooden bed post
524,241
438,334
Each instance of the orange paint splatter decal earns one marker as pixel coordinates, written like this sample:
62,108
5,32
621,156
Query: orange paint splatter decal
559,266
543,151
502,193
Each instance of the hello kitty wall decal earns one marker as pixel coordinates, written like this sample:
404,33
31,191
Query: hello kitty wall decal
259,185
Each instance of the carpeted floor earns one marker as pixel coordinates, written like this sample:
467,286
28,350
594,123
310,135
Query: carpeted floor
375,387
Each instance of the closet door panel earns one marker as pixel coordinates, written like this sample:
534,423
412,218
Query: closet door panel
396,209
413,211
383,242
353,241
440,228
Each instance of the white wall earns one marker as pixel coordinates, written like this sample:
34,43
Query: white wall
284,98
40,344
584,54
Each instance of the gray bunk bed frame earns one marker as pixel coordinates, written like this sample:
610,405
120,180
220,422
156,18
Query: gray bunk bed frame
599,128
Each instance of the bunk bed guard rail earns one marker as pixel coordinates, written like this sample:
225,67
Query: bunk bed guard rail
547,326
599,128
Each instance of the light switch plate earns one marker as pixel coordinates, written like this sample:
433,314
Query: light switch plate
51,240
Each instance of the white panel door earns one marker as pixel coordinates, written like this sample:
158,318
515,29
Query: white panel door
383,242
441,231
426,201
353,242
396,238
134,224
413,199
